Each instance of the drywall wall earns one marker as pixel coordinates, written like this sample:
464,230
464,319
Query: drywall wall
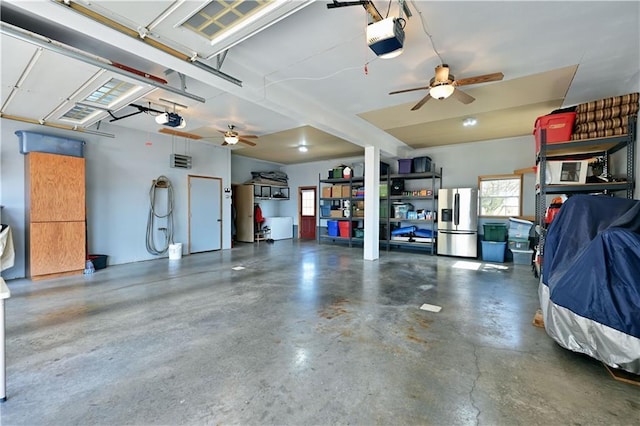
463,163
461,166
241,167
120,171
307,174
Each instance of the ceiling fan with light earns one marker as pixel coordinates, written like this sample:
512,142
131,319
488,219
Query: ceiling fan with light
444,84
231,137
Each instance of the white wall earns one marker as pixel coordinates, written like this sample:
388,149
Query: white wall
241,168
120,171
461,165
308,174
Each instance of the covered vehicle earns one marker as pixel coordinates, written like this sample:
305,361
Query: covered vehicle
590,287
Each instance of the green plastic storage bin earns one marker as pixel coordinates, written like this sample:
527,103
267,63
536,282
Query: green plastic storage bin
495,232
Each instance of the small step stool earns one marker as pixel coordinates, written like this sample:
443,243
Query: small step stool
262,235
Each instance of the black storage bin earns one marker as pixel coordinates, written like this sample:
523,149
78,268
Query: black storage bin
99,261
421,164
397,186
384,169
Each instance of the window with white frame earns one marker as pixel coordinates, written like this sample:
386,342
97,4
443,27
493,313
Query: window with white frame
500,195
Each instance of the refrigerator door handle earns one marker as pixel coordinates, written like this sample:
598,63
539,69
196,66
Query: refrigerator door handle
457,232
456,209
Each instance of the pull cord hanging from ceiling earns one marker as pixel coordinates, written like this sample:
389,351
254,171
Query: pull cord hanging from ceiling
161,183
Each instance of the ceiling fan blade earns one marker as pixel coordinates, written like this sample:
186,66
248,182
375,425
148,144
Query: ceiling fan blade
422,102
248,136
169,131
496,76
442,73
246,141
462,96
409,90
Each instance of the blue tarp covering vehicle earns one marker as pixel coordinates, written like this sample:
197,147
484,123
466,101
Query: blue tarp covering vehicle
590,287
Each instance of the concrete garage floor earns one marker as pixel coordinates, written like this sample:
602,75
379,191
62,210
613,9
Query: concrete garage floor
306,334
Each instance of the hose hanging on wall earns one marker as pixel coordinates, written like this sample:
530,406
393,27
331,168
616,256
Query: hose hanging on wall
161,182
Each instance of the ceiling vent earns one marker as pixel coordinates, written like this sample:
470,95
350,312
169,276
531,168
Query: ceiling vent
179,161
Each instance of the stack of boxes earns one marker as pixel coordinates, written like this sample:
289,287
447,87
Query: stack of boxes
494,243
519,244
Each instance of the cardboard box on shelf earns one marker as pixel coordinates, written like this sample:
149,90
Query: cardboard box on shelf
326,192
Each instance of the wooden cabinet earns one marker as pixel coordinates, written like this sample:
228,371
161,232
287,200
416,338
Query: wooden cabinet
55,213
243,202
56,247
245,198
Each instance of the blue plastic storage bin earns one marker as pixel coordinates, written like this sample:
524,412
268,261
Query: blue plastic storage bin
519,228
404,165
40,142
493,251
522,257
325,210
422,164
332,228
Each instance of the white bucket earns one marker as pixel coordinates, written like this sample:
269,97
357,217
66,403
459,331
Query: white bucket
175,251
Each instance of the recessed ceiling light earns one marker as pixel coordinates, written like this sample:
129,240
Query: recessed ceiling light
303,148
470,121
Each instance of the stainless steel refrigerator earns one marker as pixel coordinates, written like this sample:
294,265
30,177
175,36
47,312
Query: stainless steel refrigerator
458,222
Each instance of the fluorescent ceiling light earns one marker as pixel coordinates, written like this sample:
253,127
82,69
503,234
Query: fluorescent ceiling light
442,91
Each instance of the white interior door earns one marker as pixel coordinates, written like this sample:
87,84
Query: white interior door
205,214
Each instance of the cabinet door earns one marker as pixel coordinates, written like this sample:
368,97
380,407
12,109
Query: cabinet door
243,197
56,247
55,187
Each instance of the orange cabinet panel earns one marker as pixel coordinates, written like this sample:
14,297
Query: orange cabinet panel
55,187
56,247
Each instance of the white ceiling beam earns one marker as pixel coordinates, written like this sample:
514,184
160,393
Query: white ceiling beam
279,99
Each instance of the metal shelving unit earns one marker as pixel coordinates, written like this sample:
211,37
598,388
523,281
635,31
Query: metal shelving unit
585,148
270,192
343,201
428,202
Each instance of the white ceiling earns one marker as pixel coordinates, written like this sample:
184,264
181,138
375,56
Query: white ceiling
310,78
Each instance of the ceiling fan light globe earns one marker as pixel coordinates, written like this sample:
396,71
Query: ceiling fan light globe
442,91
231,140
